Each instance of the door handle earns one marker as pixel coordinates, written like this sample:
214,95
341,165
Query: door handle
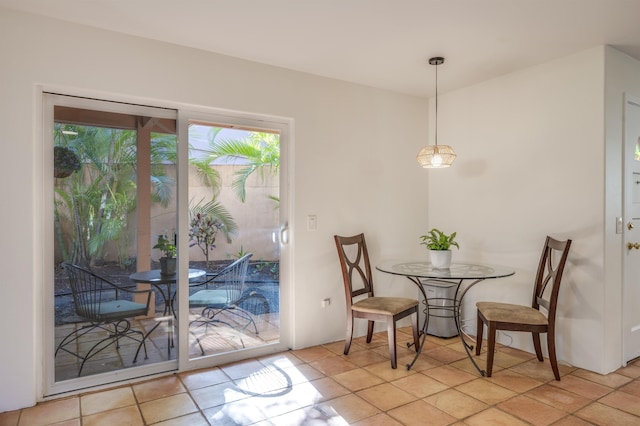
630,226
284,233
633,246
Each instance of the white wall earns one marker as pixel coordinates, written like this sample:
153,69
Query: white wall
353,166
530,163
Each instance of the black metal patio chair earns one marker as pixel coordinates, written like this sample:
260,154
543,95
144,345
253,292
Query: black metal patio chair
225,300
104,306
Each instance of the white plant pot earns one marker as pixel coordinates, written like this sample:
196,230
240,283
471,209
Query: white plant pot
440,259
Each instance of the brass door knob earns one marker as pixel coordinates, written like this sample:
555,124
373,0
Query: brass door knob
633,246
630,226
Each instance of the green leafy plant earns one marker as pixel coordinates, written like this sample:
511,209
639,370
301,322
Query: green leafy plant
203,231
259,152
240,253
166,246
438,240
268,266
93,206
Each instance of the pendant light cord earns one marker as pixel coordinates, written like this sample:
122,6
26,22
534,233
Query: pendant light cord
436,104
434,155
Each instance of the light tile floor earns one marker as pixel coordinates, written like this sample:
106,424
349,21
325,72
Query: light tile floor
321,386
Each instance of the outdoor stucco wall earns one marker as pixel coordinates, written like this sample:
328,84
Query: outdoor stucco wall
257,218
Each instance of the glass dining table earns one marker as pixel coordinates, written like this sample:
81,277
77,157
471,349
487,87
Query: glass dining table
462,275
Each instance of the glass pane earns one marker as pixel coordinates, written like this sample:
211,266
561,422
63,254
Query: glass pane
100,222
234,217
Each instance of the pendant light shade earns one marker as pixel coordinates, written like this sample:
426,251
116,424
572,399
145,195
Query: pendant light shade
436,156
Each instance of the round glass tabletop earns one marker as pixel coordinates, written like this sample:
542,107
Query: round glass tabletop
154,276
457,271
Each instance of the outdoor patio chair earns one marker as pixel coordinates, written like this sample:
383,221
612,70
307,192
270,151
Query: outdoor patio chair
225,300
105,306
538,318
361,302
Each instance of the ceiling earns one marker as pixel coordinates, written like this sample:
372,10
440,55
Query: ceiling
378,43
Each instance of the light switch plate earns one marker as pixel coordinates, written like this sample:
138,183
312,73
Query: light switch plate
312,222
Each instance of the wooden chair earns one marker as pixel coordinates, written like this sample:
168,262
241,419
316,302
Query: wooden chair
506,316
356,273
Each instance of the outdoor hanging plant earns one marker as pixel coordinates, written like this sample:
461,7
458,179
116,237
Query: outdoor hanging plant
65,162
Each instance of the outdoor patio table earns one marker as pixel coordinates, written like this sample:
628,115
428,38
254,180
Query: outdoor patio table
462,275
162,283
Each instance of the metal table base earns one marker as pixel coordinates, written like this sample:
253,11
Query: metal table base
463,275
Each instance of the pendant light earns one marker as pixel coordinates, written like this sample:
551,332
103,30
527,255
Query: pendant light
436,156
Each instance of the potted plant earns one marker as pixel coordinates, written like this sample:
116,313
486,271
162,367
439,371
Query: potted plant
168,261
439,245
203,231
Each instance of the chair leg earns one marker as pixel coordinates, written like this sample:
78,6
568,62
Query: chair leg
143,343
479,332
491,347
347,341
72,337
536,344
551,344
391,331
370,331
416,333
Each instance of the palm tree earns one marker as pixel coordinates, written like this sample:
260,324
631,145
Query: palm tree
95,202
93,205
259,152
211,179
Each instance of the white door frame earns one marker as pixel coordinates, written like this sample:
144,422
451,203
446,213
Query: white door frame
49,386
44,334
284,127
631,235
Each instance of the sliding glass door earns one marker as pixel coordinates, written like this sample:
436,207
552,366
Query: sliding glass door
235,235
167,238
112,191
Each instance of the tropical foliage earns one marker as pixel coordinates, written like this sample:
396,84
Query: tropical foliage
92,206
259,152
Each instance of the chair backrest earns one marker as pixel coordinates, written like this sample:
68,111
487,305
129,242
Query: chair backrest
232,278
356,270
549,276
89,290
